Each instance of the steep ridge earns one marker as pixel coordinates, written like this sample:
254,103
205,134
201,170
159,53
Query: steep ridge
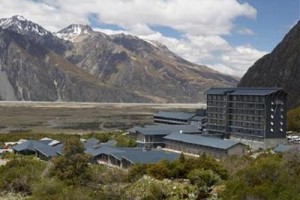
32,72
79,64
280,68
132,63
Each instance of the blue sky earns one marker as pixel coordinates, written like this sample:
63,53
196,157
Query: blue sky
274,19
226,35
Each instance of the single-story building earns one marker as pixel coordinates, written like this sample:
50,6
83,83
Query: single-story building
126,157
197,144
44,149
282,148
173,118
151,136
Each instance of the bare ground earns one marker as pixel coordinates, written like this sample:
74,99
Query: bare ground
69,117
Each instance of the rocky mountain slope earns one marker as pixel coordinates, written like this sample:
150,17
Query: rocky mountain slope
280,68
78,64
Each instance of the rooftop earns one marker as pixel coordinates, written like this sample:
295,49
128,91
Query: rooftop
201,140
164,129
175,115
260,91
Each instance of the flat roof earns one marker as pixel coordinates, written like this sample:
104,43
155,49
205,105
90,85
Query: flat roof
164,129
260,91
175,115
201,140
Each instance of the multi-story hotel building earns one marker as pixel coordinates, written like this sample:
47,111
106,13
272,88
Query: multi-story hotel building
249,113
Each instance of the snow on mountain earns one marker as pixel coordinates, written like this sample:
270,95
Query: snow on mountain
22,26
73,30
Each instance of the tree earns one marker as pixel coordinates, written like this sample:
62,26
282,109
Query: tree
72,167
293,119
204,180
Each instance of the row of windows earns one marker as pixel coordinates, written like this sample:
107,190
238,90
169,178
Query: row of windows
216,103
246,124
216,97
215,121
246,118
237,98
215,127
247,105
247,131
216,109
247,112
215,115
247,98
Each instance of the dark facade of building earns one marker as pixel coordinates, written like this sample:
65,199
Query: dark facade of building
173,118
257,113
197,119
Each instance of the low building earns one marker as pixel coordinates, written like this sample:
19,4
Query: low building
46,152
151,136
126,157
44,148
283,148
197,144
173,118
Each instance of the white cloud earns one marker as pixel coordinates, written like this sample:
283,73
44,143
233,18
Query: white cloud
195,17
202,24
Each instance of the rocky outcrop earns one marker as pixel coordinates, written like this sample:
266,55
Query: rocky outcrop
280,68
78,64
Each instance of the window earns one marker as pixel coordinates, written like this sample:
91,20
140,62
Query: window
272,116
271,130
281,129
272,123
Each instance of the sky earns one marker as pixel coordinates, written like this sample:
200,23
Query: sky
226,35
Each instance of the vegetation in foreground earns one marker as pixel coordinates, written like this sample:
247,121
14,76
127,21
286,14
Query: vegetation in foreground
293,117
267,177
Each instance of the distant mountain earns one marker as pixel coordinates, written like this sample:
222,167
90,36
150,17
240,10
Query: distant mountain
79,64
280,68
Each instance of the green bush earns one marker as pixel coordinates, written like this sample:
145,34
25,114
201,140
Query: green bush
19,174
293,119
72,167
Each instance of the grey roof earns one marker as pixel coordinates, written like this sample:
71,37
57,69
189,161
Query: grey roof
27,146
164,129
198,118
156,132
133,155
92,141
260,91
48,151
219,90
138,155
175,115
148,157
202,141
110,143
281,148
103,149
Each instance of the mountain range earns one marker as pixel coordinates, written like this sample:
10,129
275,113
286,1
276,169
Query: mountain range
79,64
280,68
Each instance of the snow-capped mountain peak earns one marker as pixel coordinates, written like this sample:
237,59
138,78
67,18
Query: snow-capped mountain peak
22,26
76,29
73,30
